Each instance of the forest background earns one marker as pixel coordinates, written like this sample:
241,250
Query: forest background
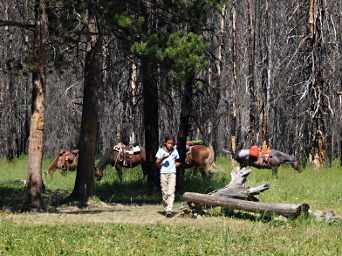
259,70
231,73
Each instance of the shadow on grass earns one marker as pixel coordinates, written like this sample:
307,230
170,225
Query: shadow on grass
92,211
131,192
12,196
248,216
137,191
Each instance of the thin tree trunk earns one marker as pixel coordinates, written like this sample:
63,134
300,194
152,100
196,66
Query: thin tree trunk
218,142
11,116
184,125
85,183
252,133
267,75
232,105
35,148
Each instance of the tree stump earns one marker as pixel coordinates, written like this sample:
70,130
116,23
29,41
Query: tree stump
237,196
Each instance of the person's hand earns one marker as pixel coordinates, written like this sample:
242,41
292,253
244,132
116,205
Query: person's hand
166,155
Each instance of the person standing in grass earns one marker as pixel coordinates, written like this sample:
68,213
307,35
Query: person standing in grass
167,160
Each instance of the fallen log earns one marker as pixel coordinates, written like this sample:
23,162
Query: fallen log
287,210
238,189
237,195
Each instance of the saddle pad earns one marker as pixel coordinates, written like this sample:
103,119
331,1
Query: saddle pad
254,151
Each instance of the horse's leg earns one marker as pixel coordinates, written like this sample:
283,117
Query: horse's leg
119,171
144,170
204,174
275,171
194,170
98,173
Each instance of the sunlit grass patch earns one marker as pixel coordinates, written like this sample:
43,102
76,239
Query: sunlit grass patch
215,234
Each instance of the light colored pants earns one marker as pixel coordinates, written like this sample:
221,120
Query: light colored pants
168,187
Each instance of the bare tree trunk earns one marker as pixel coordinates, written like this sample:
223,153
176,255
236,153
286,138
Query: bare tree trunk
267,75
252,133
35,149
218,132
85,183
340,123
232,104
150,76
151,118
319,112
184,125
11,113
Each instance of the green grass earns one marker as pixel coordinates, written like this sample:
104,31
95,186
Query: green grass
238,235
242,238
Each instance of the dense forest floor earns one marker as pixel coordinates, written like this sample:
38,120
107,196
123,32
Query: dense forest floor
123,219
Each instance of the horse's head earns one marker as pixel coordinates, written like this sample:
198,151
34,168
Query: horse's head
188,159
98,173
296,166
61,161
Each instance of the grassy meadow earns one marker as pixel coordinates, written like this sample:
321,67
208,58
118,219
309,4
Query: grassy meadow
209,235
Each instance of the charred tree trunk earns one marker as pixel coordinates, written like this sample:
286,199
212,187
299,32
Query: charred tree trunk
232,104
266,75
150,77
184,126
11,116
151,117
252,131
319,112
85,183
35,149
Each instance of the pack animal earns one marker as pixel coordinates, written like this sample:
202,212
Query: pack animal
274,159
201,157
66,160
121,156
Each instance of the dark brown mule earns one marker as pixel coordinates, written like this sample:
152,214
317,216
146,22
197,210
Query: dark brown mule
121,156
66,160
201,157
275,159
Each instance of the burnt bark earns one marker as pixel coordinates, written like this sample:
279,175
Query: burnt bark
85,182
252,131
35,149
184,126
151,118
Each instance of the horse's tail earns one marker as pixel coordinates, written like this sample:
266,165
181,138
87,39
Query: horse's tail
210,161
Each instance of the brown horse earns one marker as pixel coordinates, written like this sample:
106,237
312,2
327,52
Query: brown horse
66,160
202,158
121,156
274,160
